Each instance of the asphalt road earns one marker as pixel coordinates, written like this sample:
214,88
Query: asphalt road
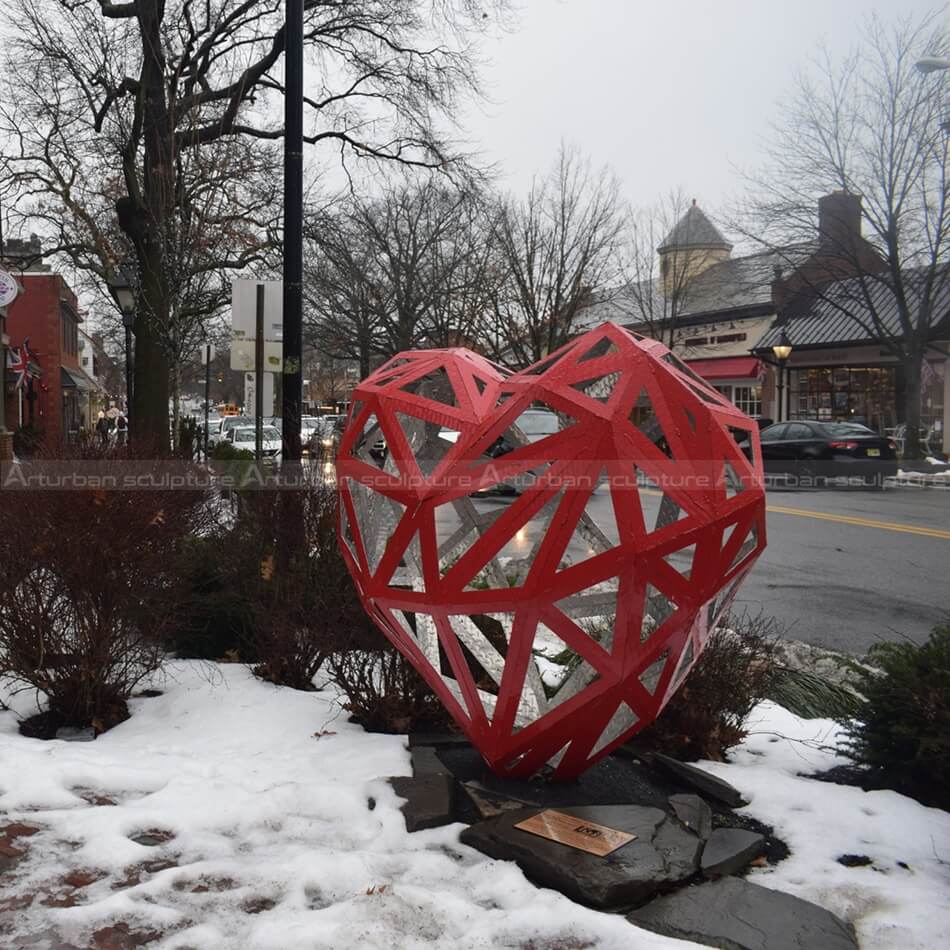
847,568
843,569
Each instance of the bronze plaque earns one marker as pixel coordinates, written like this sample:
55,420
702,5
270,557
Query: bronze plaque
575,832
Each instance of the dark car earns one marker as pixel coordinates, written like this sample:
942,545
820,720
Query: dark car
818,450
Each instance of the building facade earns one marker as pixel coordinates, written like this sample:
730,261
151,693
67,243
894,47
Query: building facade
838,371
56,405
722,314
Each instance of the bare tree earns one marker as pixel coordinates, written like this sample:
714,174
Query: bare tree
869,126
560,246
344,296
161,80
403,270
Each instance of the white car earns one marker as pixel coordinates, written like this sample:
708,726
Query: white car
220,431
245,437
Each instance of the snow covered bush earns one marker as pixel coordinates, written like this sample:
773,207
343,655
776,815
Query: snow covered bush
87,582
902,729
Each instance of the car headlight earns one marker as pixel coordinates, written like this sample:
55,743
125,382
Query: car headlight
328,442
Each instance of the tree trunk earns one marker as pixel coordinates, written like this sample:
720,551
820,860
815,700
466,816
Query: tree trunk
150,393
151,375
365,358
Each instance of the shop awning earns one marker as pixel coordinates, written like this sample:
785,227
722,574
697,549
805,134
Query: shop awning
727,367
76,379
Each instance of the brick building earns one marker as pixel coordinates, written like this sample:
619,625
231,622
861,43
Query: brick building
46,313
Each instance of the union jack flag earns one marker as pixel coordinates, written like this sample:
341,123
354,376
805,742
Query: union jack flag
19,360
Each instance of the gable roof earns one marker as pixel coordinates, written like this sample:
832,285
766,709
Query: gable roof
831,319
694,229
730,286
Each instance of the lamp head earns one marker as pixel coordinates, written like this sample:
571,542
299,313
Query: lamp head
783,348
123,293
932,64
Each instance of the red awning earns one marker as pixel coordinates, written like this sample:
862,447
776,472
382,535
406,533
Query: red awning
726,367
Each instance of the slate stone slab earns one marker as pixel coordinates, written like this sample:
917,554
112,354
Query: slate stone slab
733,914
662,855
693,812
439,740
729,850
426,761
612,781
489,803
704,783
430,800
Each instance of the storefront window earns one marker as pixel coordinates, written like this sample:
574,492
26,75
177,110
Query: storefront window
931,405
746,396
842,393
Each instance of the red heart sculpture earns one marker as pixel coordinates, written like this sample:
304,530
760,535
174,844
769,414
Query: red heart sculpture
550,549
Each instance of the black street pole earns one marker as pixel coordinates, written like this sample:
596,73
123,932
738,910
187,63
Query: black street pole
129,370
259,376
781,390
207,394
291,387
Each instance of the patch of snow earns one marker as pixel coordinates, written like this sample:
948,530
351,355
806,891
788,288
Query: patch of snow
899,902
286,834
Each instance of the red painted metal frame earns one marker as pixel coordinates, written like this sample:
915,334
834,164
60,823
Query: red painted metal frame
662,614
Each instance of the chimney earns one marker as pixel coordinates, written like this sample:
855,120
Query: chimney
839,221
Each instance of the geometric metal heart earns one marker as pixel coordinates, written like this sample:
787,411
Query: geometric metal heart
551,549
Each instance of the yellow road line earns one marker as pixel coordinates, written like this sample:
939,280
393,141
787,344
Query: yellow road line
862,522
848,519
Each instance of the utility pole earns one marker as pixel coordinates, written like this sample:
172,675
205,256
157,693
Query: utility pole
293,232
207,395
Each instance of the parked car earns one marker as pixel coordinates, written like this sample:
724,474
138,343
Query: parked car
244,437
219,432
534,425
815,449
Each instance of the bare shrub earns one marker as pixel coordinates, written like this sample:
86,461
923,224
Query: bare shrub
300,600
88,584
705,717
384,693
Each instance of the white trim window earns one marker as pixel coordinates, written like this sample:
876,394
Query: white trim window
745,394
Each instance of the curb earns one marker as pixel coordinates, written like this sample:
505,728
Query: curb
919,480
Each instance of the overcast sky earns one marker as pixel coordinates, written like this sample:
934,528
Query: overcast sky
670,93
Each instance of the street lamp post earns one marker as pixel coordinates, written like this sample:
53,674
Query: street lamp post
124,295
782,350
293,231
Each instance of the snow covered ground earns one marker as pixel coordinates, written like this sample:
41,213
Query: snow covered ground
282,832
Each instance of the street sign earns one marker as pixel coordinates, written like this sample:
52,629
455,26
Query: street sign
242,356
250,395
8,288
206,353
244,310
